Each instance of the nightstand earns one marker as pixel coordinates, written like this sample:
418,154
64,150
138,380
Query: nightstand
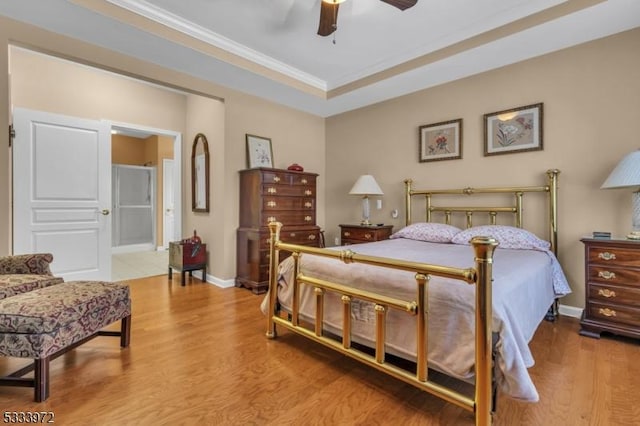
357,234
612,287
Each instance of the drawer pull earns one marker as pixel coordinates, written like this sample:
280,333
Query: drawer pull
271,219
312,237
303,181
292,235
272,191
271,204
606,275
607,293
308,192
607,312
276,179
367,236
347,234
607,256
308,204
308,218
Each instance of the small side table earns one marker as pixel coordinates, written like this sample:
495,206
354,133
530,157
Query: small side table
357,234
187,257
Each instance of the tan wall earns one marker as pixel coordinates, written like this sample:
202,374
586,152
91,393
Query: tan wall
127,150
296,136
591,96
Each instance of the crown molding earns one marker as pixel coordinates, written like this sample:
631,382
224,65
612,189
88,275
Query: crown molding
163,17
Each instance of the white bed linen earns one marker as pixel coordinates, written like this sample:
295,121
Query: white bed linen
523,290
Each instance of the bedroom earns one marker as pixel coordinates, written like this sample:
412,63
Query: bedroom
590,110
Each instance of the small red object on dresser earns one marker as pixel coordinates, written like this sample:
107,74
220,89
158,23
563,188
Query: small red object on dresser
295,167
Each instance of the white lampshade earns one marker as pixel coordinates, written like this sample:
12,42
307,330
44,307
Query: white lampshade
366,185
626,173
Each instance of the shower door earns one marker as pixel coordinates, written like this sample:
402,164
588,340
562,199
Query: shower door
134,212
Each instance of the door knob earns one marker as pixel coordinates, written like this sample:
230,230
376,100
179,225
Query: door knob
105,212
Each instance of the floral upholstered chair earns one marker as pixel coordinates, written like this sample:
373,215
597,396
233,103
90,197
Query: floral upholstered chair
25,272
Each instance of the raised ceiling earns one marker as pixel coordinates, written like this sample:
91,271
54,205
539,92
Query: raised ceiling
270,47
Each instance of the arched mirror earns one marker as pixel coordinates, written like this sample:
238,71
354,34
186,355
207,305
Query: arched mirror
200,174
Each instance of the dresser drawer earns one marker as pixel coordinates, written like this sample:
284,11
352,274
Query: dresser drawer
291,218
353,235
288,178
293,236
614,294
613,275
618,256
288,203
288,190
614,313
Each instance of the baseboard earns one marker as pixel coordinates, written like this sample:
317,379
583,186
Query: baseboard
132,248
218,282
570,311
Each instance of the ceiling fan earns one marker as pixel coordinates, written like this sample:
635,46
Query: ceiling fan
329,13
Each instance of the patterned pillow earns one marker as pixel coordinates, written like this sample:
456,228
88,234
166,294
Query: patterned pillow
507,236
428,231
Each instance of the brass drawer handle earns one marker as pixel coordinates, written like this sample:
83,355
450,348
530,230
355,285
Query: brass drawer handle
607,256
367,236
271,191
271,219
347,234
308,192
607,312
276,179
312,237
308,204
607,293
271,204
308,218
606,275
303,181
292,235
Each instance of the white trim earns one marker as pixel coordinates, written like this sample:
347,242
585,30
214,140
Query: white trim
570,311
198,32
218,282
132,248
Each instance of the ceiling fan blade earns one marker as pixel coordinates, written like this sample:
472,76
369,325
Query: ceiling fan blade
401,4
328,18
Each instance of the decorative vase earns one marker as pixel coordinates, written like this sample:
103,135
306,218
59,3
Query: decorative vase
295,167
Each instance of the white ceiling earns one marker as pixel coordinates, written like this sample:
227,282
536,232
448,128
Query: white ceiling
270,48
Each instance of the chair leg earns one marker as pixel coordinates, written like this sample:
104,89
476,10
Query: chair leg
125,331
41,379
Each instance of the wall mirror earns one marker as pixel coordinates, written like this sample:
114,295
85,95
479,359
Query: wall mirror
200,174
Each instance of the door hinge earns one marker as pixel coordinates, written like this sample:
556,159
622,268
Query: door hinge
12,134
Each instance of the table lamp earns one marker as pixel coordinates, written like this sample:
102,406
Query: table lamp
627,174
366,185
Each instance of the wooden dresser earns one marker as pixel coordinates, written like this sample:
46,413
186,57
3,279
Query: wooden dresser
612,287
357,234
269,195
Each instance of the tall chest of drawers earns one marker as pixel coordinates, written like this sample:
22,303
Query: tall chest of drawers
270,195
612,287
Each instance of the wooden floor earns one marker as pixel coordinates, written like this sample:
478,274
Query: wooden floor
198,355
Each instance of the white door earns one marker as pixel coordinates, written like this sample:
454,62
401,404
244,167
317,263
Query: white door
168,205
62,192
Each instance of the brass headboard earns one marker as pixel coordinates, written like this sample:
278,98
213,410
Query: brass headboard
551,188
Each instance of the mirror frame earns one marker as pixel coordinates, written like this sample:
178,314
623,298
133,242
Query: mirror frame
203,139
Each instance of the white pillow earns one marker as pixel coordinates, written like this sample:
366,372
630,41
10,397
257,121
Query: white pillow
507,236
428,231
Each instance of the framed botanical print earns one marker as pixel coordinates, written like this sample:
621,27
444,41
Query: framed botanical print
259,151
513,130
440,141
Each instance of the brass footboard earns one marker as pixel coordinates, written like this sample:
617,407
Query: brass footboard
480,275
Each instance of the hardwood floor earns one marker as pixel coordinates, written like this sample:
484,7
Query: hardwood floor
198,355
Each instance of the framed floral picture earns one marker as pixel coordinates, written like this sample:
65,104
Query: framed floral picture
440,141
259,151
513,130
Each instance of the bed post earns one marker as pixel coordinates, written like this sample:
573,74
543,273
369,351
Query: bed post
274,255
407,202
484,248
553,209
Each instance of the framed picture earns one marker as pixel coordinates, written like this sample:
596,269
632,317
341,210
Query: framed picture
513,130
440,141
259,152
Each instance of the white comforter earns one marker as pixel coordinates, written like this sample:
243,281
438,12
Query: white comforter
525,285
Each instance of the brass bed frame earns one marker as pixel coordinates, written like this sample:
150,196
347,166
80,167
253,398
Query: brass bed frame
480,275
